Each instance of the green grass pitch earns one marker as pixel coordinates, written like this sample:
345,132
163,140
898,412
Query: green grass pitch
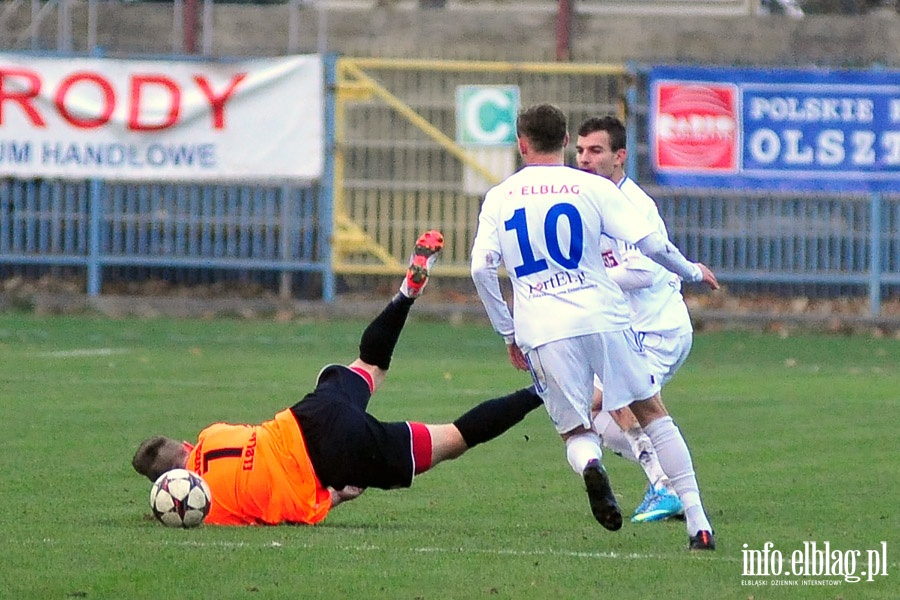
794,440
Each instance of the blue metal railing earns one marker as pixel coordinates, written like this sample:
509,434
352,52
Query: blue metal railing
94,225
789,239
748,238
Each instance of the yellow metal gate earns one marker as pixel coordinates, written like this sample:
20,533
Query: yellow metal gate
398,167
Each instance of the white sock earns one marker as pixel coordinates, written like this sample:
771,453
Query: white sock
581,449
613,438
404,289
675,459
634,446
647,458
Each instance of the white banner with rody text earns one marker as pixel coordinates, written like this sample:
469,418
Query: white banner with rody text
134,120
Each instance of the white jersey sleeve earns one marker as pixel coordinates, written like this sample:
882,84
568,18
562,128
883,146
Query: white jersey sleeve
484,266
664,252
635,271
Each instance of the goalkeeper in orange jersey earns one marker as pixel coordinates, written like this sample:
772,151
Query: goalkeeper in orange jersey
326,449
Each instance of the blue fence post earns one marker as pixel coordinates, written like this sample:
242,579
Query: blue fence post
95,220
875,267
326,185
631,129
287,242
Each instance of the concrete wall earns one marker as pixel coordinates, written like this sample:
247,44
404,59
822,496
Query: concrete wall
405,30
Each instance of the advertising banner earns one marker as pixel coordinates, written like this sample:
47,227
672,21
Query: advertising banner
775,129
134,120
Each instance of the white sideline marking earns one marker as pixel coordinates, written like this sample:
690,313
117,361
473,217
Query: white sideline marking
83,352
681,553
436,550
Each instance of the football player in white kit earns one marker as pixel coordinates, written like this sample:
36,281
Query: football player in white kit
544,223
659,314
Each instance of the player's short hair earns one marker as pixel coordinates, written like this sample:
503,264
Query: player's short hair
544,125
157,455
611,125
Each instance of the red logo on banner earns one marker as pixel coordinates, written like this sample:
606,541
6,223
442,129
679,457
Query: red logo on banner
696,127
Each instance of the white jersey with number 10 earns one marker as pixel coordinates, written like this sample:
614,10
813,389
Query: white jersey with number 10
546,222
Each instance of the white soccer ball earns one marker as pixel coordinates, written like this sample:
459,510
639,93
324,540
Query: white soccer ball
180,498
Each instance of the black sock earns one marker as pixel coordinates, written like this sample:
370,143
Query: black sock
376,346
492,417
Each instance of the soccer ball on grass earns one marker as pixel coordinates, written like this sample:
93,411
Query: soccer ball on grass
180,498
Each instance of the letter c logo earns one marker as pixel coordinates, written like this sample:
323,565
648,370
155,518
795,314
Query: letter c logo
486,115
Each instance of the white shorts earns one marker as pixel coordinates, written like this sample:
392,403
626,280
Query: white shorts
563,373
666,354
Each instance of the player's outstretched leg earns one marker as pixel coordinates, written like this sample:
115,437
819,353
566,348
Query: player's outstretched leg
376,345
600,494
422,260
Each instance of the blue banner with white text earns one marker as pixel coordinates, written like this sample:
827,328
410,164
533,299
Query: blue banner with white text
775,128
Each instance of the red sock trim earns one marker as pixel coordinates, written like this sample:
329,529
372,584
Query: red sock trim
421,447
365,375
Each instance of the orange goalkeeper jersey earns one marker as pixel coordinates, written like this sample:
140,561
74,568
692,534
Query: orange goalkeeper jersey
259,474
